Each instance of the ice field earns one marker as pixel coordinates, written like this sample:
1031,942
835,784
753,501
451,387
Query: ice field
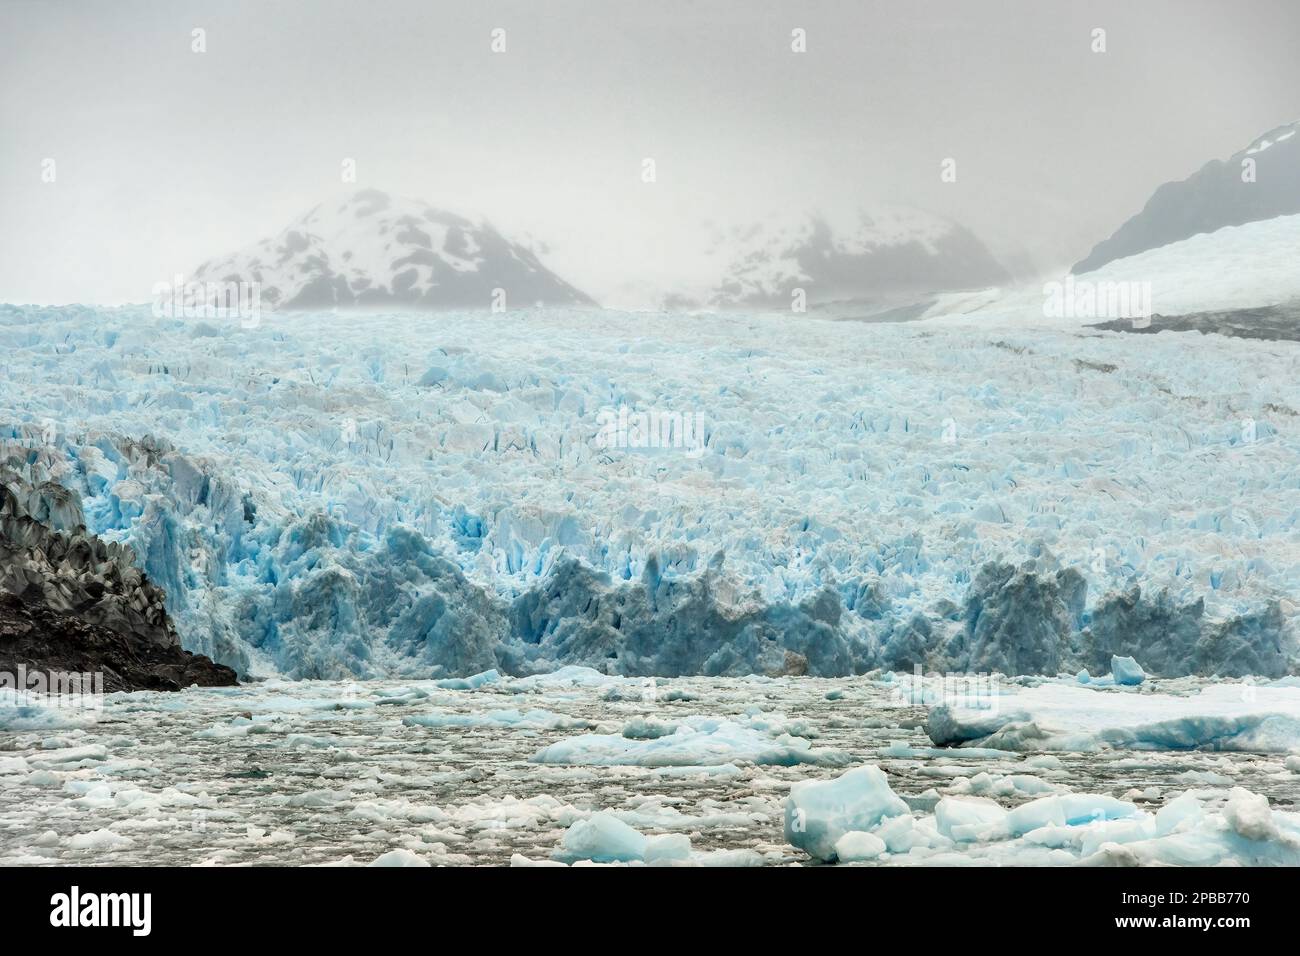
579,767
370,496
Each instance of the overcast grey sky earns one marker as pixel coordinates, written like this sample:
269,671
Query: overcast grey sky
165,157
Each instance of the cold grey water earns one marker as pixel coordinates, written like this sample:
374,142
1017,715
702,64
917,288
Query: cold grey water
515,771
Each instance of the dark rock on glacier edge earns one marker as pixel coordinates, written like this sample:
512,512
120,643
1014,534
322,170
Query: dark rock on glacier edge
72,604
34,639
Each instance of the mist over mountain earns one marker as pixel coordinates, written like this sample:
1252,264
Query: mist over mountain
377,251
1259,182
892,251
878,257
374,251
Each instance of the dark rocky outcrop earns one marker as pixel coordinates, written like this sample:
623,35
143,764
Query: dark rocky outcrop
1272,323
72,602
36,639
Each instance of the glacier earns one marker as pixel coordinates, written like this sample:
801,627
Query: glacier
333,496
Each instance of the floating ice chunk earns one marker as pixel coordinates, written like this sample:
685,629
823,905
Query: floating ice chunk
731,859
602,838
1181,813
669,848
1067,810
989,785
473,682
699,742
1064,717
1088,807
819,812
1126,671
402,858
68,758
970,819
905,832
12,765
858,847
1245,833
1036,814
1096,835
1249,815
102,839
646,728
1041,761
570,675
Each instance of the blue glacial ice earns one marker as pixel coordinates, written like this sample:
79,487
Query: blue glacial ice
605,838
334,496
819,813
1125,671
602,838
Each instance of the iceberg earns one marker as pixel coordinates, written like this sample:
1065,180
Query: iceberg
969,819
602,838
820,813
1066,716
1126,671
858,847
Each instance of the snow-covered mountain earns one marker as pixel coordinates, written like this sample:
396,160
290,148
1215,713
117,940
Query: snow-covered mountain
885,256
1260,182
374,250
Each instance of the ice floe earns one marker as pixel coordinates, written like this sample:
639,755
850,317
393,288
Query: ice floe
696,742
858,818
1060,717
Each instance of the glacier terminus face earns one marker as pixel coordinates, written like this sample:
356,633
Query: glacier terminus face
332,496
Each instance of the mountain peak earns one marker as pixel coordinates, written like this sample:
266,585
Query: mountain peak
849,253
373,250
1259,182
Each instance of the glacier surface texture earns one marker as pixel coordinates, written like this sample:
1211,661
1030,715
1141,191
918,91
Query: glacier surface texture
326,496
